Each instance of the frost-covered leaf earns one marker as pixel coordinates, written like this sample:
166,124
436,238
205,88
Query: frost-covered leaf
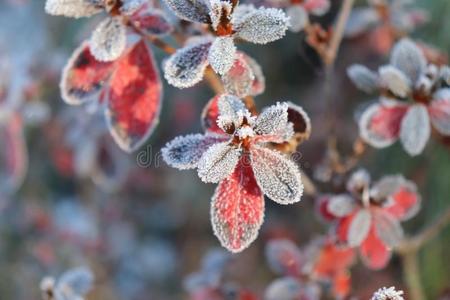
374,252
218,162
277,176
134,98
13,155
230,112
190,10
210,115
439,110
360,20
415,129
299,119
408,58
108,41
341,205
379,125
259,83
363,78
222,54
404,203
84,77
388,228
395,81
184,152
79,281
298,17
186,67
241,11
73,8
129,7
359,228
237,209
286,288
284,257
151,21
273,122
262,26
386,187
239,79
219,10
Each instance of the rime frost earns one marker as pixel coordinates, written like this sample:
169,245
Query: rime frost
190,10
415,130
108,40
274,121
219,9
186,67
185,152
388,294
222,54
394,80
408,58
262,26
277,176
359,228
130,6
218,162
73,8
239,78
363,78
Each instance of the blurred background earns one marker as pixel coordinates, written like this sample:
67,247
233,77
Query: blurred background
141,226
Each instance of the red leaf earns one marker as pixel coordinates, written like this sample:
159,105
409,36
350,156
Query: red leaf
13,155
332,260
343,226
342,284
375,254
209,116
237,208
84,77
133,97
322,208
403,204
151,21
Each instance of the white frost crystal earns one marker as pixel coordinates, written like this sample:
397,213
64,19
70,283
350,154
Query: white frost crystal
262,26
72,8
222,54
274,121
108,40
388,294
218,162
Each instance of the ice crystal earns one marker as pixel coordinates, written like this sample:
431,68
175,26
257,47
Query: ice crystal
363,78
190,10
359,228
388,294
73,8
184,152
415,129
108,40
222,54
130,6
262,26
186,67
394,80
274,121
277,176
218,162
219,10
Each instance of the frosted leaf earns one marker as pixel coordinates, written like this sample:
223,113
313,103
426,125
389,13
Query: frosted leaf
273,121
259,84
287,288
341,205
395,80
73,8
300,120
359,228
218,162
388,294
388,228
210,115
79,281
360,20
128,7
190,10
229,108
241,11
186,67
386,186
151,21
439,110
379,125
184,152
237,209
219,10
415,129
408,58
108,41
277,176
222,54
363,78
358,181
239,79
298,17
262,26
284,257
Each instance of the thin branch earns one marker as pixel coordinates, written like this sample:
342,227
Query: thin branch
411,275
